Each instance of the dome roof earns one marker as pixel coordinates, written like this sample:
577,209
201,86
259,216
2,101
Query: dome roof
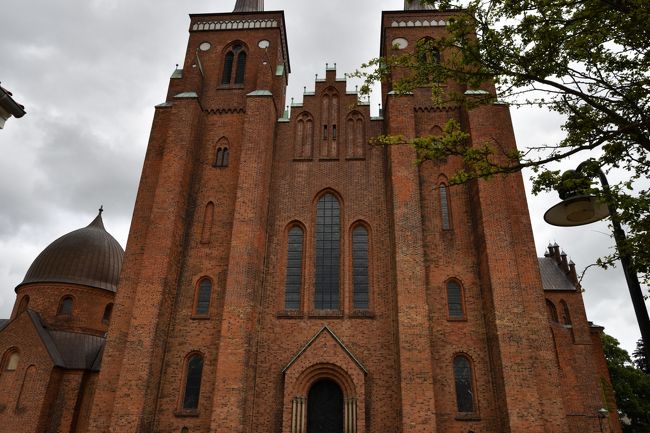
88,256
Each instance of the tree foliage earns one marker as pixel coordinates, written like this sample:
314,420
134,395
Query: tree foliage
588,60
631,386
640,357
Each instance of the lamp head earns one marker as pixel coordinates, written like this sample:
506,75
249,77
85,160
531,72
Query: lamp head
576,211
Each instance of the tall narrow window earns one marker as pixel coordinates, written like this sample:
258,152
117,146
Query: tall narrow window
329,117
464,386
203,295
455,300
11,360
26,394
444,207
304,135
235,52
355,136
65,307
223,155
227,67
328,236
208,219
566,315
241,68
293,279
552,311
360,277
108,312
193,382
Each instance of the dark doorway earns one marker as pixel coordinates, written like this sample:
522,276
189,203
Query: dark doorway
325,408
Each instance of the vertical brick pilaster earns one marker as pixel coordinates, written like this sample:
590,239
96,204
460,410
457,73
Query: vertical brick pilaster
127,390
525,375
234,382
412,308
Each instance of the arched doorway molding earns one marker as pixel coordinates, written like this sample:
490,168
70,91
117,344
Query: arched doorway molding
324,357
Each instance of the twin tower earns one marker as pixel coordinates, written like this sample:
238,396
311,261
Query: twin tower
284,276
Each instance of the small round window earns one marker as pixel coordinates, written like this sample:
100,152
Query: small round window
400,43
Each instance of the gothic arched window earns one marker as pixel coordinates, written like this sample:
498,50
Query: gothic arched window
193,374
208,219
464,387
552,311
360,271
227,67
566,315
235,56
65,307
355,135
203,296
328,253
241,67
223,157
455,300
304,142
293,278
10,360
329,118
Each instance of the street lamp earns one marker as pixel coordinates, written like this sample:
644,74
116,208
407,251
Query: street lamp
602,414
577,209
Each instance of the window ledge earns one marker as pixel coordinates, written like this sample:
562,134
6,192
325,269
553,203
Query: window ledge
186,413
362,314
329,158
196,317
302,159
230,87
333,314
469,416
355,158
289,314
457,319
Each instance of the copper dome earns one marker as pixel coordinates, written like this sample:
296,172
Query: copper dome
88,256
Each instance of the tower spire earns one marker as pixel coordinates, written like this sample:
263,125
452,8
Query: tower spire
415,5
249,6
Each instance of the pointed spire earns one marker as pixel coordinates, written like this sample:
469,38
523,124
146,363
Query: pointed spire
415,5
98,222
249,6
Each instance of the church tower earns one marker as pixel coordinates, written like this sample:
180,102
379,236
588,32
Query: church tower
282,275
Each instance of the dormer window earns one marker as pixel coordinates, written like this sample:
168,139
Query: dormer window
234,57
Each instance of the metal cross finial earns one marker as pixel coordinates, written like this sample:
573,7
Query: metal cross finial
101,209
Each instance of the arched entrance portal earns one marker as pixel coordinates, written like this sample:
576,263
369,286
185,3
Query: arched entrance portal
325,408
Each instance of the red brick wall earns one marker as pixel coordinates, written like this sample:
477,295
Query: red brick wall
87,309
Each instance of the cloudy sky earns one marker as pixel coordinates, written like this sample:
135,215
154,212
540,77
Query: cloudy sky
89,73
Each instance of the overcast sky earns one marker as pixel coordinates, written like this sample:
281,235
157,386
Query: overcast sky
89,74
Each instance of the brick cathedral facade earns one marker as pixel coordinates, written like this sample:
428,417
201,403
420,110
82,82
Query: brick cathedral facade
282,275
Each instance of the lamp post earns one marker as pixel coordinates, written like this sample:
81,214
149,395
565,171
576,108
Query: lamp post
577,209
602,414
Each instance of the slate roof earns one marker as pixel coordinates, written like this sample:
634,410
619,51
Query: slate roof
70,350
552,276
3,322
